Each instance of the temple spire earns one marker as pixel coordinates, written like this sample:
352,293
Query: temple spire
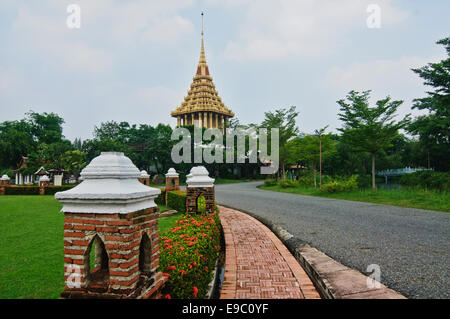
202,52
203,106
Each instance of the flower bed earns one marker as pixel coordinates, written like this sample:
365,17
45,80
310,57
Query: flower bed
189,252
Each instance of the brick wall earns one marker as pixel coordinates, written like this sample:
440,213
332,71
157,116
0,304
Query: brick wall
126,254
193,193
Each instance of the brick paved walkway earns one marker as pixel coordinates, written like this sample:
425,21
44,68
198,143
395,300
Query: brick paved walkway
258,265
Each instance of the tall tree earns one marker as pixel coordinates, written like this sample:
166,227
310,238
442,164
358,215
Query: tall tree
46,127
307,150
284,121
16,140
369,129
434,127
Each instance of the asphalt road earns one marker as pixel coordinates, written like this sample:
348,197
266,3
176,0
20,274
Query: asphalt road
411,246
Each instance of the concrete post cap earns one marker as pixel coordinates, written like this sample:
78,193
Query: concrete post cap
144,174
44,178
5,178
110,186
199,177
172,173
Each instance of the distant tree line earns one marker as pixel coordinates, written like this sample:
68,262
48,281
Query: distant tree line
369,135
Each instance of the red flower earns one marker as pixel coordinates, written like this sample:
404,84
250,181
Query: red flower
167,297
166,275
171,268
195,292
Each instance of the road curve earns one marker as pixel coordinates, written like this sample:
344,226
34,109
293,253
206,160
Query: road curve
411,246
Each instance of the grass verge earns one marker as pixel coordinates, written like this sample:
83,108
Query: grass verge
404,197
31,246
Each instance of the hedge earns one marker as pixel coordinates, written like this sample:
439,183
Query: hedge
34,190
340,185
189,252
177,200
161,199
22,190
52,190
427,179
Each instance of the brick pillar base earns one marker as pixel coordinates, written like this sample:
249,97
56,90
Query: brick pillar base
126,255
2,190
145,180
42,186
192,195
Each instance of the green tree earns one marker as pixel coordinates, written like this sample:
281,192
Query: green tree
45,127
434,127
306,150
369,129
74,161
284,121
16,140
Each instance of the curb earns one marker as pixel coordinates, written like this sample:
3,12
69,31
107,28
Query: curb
332,279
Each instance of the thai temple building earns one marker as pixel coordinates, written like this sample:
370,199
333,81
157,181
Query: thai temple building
202,106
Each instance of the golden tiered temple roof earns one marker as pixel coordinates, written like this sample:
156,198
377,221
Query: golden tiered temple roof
202,95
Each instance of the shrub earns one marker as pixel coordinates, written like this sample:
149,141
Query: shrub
34,190
427,179
338,186
177,200
161,199
270,182
287,183
306,181
22,190
189,252
52,190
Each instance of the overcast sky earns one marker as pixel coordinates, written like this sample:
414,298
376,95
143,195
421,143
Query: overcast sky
134,60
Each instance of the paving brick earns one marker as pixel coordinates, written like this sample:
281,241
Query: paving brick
257,264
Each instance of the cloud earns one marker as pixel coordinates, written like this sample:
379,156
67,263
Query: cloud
9,80
380,75
277,29
168,30
384,77
106,27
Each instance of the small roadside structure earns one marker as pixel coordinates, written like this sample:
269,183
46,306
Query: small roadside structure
112,218
4,181
44,182
144,178
199,184
172,180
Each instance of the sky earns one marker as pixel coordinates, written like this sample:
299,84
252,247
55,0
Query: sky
134,60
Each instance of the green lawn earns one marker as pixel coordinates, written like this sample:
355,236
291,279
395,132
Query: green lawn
413,198
31,246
